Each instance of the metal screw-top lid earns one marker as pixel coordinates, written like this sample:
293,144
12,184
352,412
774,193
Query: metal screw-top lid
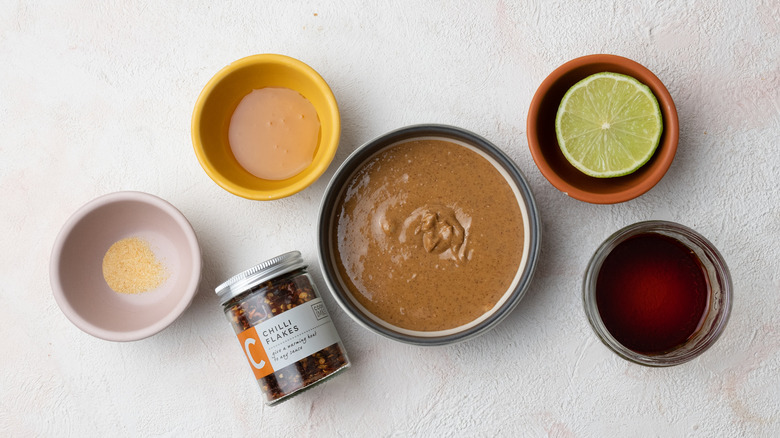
267,270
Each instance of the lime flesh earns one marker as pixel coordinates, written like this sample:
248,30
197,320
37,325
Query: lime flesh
608,125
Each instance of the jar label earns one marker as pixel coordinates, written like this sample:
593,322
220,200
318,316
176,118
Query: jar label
288,337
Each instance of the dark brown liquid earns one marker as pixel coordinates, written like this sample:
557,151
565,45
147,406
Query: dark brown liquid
652,293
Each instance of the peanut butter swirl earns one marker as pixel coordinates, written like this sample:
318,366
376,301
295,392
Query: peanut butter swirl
429,235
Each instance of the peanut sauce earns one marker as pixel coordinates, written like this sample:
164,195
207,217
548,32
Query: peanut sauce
429,235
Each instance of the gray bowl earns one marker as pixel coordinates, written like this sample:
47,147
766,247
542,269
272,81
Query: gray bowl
343,176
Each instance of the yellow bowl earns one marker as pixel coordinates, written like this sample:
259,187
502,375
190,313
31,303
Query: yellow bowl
221,96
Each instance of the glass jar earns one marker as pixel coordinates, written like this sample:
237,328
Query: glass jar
715,275
283,326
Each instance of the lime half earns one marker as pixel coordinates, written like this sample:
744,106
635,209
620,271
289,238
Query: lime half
608,125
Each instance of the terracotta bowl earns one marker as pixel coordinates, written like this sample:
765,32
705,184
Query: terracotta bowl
76,271
548,156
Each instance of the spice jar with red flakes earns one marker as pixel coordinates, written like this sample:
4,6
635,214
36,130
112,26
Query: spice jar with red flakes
283,326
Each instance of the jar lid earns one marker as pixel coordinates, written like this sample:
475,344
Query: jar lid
255,275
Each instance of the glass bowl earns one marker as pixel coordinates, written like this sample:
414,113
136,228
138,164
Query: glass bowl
718,307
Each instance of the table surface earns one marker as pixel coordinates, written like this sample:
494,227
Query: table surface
97,98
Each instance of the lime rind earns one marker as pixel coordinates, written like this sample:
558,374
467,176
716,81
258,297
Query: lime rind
608,125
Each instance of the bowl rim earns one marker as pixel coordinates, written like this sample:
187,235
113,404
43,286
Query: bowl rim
316,169
662,158
357,157
82,212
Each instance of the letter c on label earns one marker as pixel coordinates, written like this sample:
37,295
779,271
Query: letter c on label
247,343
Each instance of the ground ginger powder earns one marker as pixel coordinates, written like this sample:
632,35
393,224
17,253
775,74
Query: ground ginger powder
130,267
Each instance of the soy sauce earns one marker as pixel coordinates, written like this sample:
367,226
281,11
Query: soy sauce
652,293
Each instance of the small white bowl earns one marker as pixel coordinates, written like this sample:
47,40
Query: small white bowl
77,258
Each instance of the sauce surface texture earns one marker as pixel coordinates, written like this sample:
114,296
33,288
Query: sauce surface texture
273,133
652,293
429,235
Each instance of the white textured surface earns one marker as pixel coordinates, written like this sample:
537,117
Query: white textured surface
97,98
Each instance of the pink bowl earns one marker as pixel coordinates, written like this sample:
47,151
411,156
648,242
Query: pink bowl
77,258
